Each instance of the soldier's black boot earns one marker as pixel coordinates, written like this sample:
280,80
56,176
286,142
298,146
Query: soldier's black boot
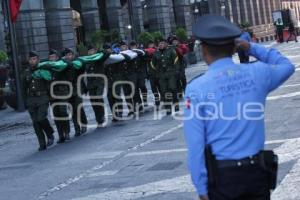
50,141
42,148
67,136
84,130
40,135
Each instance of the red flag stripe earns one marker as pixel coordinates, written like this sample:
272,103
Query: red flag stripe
14,9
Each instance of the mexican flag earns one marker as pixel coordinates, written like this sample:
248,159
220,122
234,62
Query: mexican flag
14,6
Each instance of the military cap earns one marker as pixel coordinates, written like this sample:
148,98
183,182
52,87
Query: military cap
90,46
133,43
162,40
121,43
53,52
67,50
172,38
215,30
106,46
33,54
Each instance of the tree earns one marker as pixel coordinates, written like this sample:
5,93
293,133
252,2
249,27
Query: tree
157,35
145,38
3,57
181,34
99,37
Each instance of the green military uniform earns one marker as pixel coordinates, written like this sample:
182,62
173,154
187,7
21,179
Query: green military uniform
95,66
166,63
58,99
73,71
129,74
182,82
114,74
35,85
141,70
154,81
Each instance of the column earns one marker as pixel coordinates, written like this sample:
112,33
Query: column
137,13
31,29
2,46
115,20
159,16
59,22
90,16
183,14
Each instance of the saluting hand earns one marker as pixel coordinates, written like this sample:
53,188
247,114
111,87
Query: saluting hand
242,45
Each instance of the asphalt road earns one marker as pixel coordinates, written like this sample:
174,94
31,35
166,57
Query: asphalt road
137,159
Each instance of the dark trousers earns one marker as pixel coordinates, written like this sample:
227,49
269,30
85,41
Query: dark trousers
291,34
169,93
61,111
280,36
41,124
131,92
75,101
181,81
115,103
98,103
244,58
240,183
156,90
142,89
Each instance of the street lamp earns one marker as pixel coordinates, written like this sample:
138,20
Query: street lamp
129,27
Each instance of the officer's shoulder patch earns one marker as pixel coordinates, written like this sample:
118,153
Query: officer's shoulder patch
196,77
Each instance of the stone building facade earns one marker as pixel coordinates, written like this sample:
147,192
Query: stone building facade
44,24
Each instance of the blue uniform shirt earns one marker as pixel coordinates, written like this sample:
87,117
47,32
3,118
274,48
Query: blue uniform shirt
225,108
246,36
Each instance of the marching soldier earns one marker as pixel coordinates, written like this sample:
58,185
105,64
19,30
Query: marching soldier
153,74
165,61
129,75
95,85
181,50
141,70
74,70
226,154
60,111
114,74
35,89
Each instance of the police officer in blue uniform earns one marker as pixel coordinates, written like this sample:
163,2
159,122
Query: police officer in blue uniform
224,115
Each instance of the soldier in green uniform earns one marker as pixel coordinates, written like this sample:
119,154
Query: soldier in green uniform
95,85
73,71
165,60
57,100
129,75
153,74
181,50
114,74
35,85
141,71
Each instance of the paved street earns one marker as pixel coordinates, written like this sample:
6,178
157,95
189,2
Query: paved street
137,159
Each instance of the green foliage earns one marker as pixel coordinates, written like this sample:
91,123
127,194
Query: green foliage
145,38
157,36
82,50
98,38
3,57
245,25
181,34
114,36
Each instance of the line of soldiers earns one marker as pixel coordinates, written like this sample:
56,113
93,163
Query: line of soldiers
62,82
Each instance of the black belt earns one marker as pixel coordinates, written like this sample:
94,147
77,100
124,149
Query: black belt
249,161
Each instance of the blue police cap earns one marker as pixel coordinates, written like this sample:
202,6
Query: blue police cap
215,30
